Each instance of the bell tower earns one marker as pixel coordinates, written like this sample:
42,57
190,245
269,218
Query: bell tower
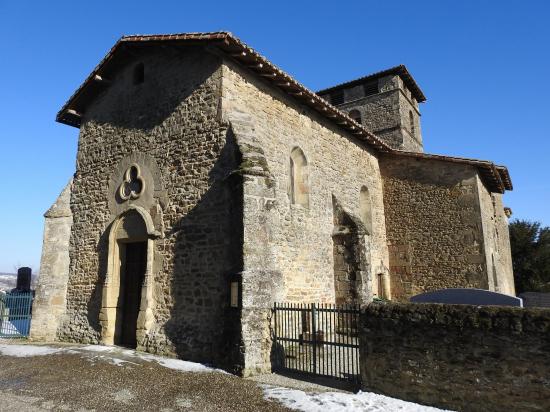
386,103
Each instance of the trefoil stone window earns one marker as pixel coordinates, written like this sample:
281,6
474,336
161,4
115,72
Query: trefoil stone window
132,186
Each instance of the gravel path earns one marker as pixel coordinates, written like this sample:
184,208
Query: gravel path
76,379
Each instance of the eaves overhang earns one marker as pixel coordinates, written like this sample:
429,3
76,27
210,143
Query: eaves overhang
496,178
126,48
400,71
71,113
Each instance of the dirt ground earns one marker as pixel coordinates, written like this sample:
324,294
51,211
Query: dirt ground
80,381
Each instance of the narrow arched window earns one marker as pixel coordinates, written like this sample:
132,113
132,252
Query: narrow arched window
365,209
381,286
495,276
299,189
139,74
411,122
355,115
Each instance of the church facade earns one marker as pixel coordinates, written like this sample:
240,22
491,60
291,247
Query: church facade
209,184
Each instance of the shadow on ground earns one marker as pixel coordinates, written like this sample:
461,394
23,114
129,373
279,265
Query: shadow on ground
72,380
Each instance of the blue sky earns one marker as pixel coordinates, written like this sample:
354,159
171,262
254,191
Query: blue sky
483,66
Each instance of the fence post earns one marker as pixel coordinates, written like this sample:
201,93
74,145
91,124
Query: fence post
314,338
277,360
2,308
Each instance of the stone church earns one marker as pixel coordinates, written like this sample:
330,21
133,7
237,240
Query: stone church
210,184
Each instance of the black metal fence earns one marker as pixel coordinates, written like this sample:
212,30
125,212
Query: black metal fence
15,314
317,339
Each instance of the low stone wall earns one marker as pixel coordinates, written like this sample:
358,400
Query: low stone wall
460,357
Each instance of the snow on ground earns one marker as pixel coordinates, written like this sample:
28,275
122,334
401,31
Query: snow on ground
8,328
23,351
178,364
97,348
171,363
112,354
291,398
121,362
341,402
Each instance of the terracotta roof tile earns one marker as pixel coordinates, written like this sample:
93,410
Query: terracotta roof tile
70,113
400,70
239,51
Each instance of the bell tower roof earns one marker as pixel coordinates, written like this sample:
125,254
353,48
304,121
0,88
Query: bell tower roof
400,71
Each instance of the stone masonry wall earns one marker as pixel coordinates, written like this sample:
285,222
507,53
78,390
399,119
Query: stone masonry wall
300,237
459,357
387,114
412,141
49,304
381,114
171,119
434,228
497,242
288,248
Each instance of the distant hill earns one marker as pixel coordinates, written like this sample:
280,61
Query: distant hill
8,281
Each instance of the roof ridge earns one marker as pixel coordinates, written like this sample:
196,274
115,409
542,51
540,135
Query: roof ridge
244,55
401,70
499,174
208,34
233,44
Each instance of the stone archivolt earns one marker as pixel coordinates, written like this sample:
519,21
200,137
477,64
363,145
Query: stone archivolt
134,225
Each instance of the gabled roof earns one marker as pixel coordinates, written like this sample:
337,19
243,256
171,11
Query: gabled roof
496,177
71,112
400,70
127,46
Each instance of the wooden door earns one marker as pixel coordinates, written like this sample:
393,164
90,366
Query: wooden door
132,282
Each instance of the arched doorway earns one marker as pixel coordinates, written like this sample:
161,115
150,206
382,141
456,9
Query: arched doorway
126,307
347,257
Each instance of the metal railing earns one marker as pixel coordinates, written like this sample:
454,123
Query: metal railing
317,339
15,314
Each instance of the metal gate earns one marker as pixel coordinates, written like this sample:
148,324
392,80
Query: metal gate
15,314
317,339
